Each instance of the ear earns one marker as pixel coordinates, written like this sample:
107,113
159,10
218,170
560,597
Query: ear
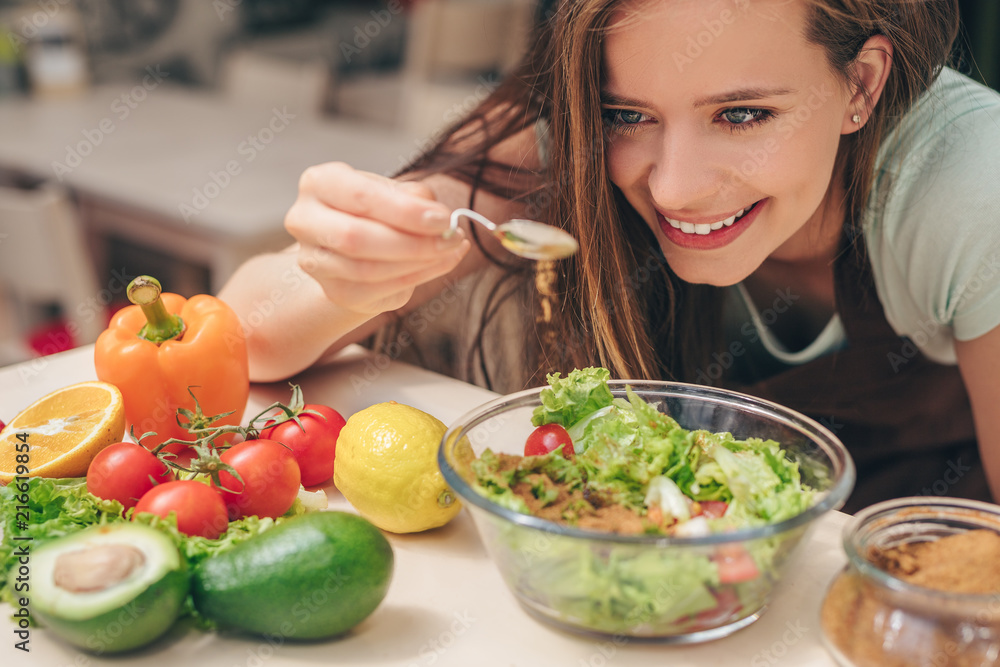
871,70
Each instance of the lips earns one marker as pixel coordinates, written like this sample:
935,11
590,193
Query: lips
708,235
707,228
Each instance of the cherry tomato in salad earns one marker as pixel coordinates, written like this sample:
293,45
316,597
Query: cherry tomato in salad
199,507
125,471
270,479
547,438
2,425
727,607
314,444
713,509
735,564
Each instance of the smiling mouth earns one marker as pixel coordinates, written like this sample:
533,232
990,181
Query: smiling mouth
707,228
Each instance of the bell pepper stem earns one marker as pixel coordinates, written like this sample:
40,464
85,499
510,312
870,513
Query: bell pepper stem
161,325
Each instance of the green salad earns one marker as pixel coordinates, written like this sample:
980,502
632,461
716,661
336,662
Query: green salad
629,454
630,469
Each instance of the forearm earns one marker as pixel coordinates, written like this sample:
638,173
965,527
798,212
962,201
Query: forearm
979,362
287,319
362,266
288,316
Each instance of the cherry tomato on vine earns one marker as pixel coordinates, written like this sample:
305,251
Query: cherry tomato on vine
270,479
314,444
199,507
546,438
125,471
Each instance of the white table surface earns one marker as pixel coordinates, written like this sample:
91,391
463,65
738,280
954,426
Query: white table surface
447,604
150,160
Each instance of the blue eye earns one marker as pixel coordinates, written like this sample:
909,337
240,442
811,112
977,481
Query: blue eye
745,118
623,121
629,117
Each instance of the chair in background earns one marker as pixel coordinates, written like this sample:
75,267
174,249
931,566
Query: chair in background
265,80
44,262
450,38
455,52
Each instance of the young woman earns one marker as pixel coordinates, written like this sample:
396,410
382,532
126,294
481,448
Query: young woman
793,198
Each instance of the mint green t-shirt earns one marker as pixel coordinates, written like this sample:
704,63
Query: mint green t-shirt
933,225
932,229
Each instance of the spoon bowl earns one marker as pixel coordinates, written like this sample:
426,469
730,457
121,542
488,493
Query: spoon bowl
524,238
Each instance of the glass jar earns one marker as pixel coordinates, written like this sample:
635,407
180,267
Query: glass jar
871,618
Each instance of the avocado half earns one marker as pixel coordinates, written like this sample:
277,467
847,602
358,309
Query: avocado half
108,589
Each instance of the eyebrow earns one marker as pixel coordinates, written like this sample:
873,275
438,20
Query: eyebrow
611,99
741,95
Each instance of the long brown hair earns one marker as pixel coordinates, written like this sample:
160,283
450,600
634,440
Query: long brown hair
618,304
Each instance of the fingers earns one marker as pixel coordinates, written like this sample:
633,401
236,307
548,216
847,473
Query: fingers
369,241
372,287
324,264
406,206
360,238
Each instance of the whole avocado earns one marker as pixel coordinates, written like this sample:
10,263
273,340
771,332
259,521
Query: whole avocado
311,577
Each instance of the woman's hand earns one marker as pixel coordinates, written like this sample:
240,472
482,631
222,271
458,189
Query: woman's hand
369,241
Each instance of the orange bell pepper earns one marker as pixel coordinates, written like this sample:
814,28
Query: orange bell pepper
156,350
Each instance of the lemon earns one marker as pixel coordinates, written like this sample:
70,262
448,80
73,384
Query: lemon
387,468
60,434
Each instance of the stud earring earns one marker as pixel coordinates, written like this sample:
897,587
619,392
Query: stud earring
856,118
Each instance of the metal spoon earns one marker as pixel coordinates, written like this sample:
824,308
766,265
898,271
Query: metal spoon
525,238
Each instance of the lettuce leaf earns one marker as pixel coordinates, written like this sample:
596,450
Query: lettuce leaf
195,549
567,400
607,590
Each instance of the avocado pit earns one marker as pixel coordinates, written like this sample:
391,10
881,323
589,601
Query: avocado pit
108,588
97,567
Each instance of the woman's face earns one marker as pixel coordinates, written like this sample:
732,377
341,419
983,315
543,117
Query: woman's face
723,126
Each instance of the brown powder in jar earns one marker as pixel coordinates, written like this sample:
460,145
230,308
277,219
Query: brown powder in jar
874,628
962,563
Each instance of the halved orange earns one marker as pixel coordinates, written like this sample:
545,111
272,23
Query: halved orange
60,434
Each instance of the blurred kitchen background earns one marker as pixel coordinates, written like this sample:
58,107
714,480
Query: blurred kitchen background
167,136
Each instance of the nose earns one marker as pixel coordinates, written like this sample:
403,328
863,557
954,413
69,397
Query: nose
683,175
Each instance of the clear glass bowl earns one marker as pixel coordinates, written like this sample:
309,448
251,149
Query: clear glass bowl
871,618
628,586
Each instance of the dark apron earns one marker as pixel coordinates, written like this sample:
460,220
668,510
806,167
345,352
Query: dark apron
905,419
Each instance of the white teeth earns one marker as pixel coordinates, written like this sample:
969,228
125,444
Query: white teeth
702,229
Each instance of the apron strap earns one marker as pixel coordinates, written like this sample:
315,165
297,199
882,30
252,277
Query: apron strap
905,419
